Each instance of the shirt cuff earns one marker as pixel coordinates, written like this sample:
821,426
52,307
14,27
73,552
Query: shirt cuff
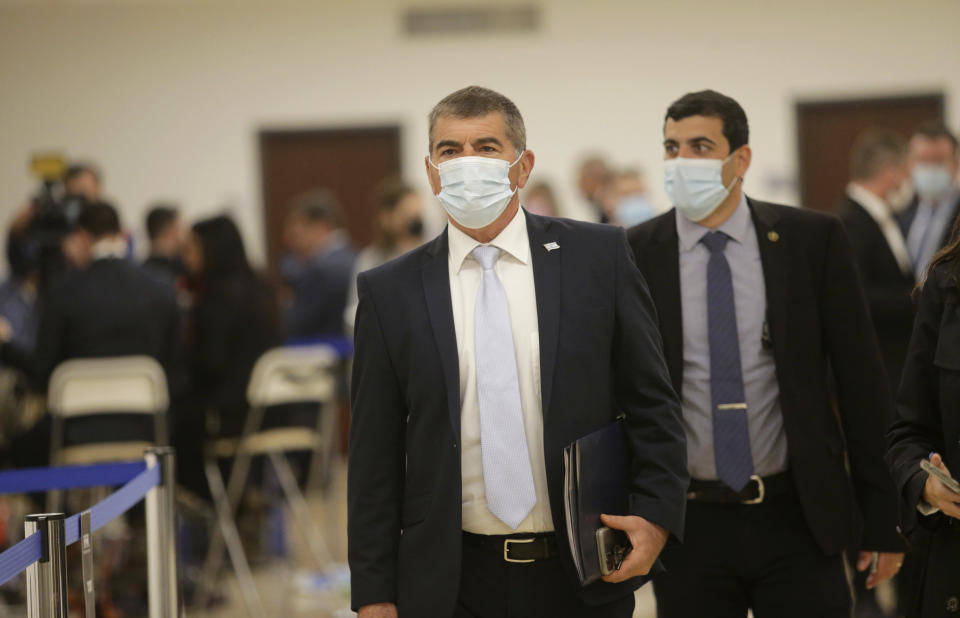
926,509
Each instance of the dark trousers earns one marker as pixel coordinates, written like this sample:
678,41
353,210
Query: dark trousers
493,588
761,557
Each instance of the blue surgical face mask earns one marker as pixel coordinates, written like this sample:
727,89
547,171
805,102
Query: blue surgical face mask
695,186
634,210
931,180
475,190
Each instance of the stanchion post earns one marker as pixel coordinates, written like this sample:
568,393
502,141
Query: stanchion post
162,538
47,578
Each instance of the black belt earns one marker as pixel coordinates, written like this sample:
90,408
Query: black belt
515,547
756,491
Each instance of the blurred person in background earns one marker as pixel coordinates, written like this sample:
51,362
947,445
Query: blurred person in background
769,343
927,223
927,426
594,178
878,172
318,268
166,234
626,203
233,322
18,293
105,307
398,225
83,179
540,199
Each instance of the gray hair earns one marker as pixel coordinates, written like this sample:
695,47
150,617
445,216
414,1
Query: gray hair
873,150
474,101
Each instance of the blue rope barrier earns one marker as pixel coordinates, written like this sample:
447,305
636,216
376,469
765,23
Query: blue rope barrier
16,559
68,477
116,504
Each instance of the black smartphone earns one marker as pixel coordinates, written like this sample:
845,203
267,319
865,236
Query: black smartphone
612,547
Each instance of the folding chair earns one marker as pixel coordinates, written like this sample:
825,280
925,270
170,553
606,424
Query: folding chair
302,374
85,388
100,386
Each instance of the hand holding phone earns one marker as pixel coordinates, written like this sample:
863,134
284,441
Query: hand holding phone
948,481
612,547
941,490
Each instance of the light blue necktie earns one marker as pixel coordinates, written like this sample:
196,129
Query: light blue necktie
731,434
507,474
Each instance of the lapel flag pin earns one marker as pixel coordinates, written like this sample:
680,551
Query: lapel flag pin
550,246
773,236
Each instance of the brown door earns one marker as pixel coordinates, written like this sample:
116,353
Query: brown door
348,162
826,131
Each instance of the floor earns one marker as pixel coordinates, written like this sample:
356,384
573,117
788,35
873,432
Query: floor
295,591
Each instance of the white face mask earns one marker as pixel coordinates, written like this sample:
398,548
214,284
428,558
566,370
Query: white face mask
475,190
695,186
931,180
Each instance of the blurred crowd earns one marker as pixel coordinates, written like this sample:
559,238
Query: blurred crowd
197,305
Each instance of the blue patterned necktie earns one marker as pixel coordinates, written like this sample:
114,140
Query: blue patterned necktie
731,435
507,474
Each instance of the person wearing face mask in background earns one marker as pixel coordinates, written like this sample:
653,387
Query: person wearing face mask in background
479,357
398,228
878,173
765,325
627,203
928,221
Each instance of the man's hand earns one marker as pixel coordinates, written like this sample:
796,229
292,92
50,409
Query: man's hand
378,610
936,493
647,540
887,566
6,331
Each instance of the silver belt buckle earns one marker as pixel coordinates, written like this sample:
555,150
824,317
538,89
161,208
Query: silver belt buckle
506,550
761,493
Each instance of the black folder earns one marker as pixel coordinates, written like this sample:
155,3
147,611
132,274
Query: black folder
596,472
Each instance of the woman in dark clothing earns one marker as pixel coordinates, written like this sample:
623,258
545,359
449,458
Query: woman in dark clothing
927,426
234,321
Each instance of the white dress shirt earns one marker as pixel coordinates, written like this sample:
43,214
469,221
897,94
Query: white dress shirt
880,212
515,270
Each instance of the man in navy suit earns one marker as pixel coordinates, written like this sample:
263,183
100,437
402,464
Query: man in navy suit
479,357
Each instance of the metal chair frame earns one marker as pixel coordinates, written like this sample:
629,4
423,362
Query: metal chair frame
302,374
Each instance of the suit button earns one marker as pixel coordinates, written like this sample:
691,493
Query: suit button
953,604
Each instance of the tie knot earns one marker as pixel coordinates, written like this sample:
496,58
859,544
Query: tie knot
715,242
486,255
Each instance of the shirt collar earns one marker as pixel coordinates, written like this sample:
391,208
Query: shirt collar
874,205
513,240
737,227
109,248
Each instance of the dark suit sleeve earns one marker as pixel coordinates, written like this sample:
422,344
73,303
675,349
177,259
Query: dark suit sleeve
864,398
376,466
652,408
917,430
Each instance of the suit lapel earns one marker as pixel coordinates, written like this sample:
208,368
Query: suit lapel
547,281
773,245
436,287
662,271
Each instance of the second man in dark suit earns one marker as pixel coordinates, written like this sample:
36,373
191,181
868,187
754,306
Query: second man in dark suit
760,307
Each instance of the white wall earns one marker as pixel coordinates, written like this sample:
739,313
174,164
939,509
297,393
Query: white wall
168,95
